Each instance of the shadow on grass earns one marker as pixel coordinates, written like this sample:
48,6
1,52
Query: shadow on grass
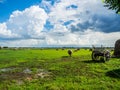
65,56
114,73
93,61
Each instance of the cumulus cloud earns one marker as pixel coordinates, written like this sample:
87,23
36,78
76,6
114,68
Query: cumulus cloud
27,23
84,15
85,23
24,24
6,33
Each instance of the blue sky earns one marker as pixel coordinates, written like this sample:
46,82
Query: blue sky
8,6
36,23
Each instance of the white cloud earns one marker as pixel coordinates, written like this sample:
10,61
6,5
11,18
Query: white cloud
59,13
20,43
27,23
84,16
22,26
5,33
87,38
90,37
87,12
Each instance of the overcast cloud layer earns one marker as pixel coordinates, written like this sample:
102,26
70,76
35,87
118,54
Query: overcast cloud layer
64,22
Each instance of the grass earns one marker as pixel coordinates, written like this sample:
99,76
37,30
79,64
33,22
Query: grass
51,69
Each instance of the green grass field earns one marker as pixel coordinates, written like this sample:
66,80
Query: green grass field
51,69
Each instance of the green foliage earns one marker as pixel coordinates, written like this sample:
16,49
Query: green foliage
50,69
113,4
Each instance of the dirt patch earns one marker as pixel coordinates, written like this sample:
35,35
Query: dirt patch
6,69
26,74
27,70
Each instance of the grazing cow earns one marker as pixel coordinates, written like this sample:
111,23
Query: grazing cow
70,52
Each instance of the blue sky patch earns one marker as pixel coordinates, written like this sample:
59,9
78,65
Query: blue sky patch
72,6
48,26
68,22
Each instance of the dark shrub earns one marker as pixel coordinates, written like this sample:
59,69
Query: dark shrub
117,49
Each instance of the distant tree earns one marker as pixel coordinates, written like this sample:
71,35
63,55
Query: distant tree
5,47
113,5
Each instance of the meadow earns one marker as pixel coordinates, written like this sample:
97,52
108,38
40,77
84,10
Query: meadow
51,69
